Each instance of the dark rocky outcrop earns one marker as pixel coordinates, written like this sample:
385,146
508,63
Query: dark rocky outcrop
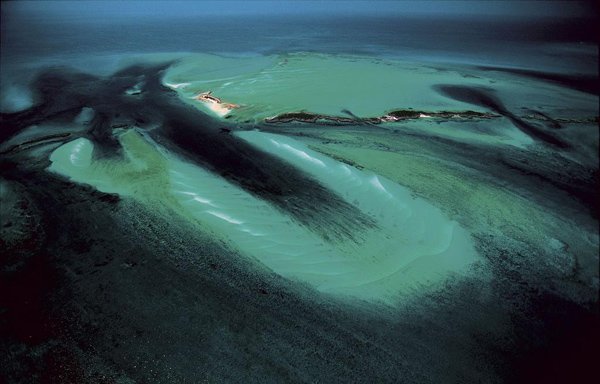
393,116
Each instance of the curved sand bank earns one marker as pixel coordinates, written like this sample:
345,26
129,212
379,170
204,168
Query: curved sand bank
413,244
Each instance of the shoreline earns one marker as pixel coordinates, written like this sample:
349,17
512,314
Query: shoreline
215,104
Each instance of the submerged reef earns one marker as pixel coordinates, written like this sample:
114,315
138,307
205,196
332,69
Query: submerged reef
393,116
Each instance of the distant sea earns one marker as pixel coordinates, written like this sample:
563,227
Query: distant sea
554,45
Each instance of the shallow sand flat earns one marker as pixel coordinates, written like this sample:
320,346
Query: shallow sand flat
266,86
217,108
313,82
414,245
479,201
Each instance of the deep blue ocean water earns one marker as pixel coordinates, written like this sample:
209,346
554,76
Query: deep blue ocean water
555,45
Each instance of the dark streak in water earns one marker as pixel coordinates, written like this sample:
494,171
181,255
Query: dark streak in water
185,130
552,123
583,83
260,173
59,137
484,97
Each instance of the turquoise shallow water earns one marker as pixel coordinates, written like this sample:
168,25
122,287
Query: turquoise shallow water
325,84
413,245
263,87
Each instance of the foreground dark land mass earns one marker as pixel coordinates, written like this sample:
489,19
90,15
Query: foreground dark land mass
99,288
